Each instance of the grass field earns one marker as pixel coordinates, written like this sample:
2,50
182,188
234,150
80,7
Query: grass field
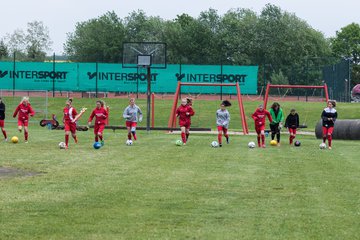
156,190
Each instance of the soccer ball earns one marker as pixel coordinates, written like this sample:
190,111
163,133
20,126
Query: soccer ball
297,143
97,145
214,144
322,146
178,143
251,145
14,139
273,142
129,142
62,145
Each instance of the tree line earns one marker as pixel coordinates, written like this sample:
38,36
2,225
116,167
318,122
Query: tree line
287,48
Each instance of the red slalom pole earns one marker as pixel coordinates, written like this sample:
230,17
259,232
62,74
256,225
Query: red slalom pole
107,119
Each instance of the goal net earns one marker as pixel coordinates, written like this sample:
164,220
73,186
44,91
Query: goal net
38,101
292,94
205,106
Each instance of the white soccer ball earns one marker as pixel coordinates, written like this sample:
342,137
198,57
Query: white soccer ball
322,146
62,145
251,145
215,144
129,142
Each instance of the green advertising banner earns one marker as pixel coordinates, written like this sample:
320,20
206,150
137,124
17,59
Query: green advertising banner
91,77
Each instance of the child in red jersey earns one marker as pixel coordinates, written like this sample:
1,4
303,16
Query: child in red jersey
100,115
184,112
259,117
24,110
69,122
2,119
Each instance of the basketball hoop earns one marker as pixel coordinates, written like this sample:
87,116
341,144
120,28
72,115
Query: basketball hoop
145,55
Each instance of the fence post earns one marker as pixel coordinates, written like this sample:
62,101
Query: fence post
152,110
14,69
222,81
96,84
53,81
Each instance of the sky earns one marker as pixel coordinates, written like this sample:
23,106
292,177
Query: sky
61,16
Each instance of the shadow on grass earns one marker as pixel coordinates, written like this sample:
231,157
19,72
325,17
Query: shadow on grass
6,172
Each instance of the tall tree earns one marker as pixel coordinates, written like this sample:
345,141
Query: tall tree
346,44
98,39
141,28
4,52
30,45
238,30
15,42
37,40
290,45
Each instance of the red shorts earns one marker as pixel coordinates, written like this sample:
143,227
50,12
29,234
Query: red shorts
221,128
327,131
99,128
292,131
24,122
70,127
2,123
258,129
185,124
131,124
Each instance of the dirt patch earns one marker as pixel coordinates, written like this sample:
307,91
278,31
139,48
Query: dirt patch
6,172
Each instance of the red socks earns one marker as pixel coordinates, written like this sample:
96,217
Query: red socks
329,137
183,137
26,134
4,133
129,136
220,138
66,140
258,139
262,139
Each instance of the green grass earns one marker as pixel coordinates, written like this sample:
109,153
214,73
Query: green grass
309,112
156,190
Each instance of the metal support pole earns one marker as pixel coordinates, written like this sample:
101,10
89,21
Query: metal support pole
96,84
153,110
222,81
148,98
14,69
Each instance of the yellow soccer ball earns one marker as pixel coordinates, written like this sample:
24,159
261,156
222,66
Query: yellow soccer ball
14,139
273,142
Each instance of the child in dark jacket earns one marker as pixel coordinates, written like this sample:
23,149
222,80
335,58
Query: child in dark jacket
292,123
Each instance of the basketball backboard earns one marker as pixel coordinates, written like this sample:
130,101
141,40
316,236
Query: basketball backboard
140,54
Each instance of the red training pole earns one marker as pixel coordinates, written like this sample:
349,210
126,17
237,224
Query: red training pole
266,95
173,109
241,108
326,92
107,119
